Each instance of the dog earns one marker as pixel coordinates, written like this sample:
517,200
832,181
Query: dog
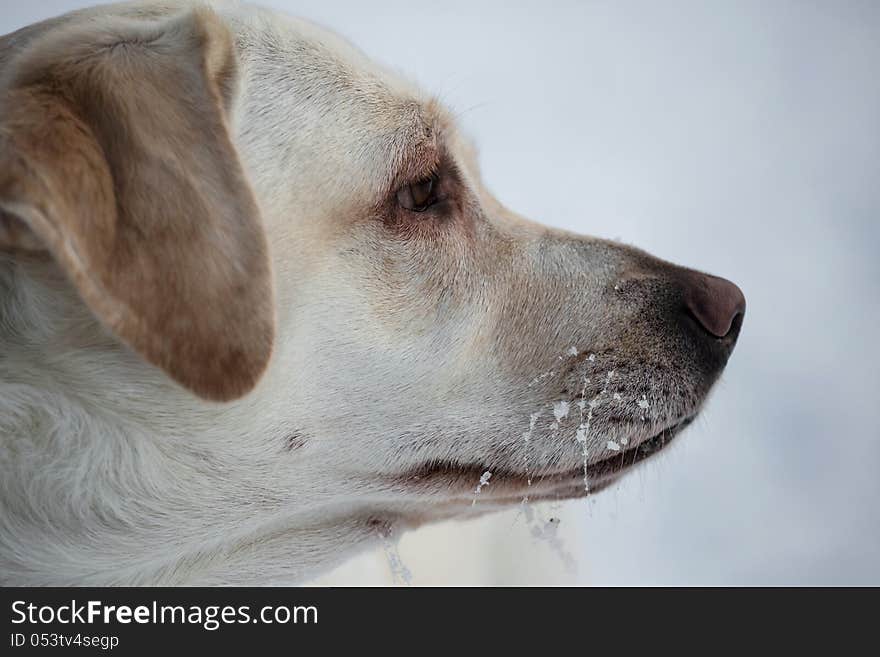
258,311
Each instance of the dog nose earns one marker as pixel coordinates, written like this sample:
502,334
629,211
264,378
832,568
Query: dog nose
714,302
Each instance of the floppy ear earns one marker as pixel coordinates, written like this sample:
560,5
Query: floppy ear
116,158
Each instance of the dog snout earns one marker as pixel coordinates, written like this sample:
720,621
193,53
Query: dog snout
700,313
717,304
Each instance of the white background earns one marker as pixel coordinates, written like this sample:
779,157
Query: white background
739,137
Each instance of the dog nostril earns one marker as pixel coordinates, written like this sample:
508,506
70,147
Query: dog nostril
716,303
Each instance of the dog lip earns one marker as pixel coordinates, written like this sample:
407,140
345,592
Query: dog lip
613,466
599,472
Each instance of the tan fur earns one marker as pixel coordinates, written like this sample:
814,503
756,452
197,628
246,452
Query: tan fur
136,189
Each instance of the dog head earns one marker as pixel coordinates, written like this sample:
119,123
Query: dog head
272,265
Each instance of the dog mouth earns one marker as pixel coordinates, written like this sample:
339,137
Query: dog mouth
503,485
614,466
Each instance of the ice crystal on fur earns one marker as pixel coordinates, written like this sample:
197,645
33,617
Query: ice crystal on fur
560,410
583,430
527,436
400,574
484,481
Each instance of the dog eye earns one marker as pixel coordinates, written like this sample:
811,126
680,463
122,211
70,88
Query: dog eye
419,196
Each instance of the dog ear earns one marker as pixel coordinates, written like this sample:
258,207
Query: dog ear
115,157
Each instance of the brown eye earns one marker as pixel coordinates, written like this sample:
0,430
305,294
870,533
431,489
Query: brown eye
419,196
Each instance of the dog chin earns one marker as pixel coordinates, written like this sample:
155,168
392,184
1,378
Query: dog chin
475,485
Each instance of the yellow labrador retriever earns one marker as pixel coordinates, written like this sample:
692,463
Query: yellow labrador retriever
257,310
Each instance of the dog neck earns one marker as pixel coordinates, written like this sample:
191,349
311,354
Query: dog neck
101,487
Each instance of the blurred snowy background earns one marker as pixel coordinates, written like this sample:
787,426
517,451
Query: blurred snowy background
738,137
